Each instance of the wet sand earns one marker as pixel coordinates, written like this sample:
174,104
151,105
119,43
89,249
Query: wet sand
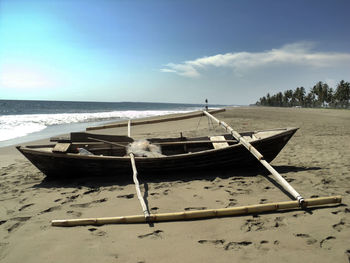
316,161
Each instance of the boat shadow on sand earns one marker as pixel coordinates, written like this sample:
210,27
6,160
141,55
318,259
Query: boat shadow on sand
208,175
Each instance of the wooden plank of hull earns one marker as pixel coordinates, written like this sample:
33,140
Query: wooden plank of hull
60,165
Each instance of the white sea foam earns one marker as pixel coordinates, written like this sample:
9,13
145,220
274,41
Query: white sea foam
14,126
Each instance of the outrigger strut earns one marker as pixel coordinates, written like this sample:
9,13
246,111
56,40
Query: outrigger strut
261,159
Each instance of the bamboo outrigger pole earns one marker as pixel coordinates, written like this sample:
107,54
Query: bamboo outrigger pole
188,215
137,186
261,159
152,121
129,128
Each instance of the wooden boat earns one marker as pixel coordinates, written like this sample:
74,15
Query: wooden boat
108,154
236,150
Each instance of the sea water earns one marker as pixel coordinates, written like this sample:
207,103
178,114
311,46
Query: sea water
23,120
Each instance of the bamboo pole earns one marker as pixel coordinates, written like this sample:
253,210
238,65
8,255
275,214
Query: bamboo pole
129,128
199,214
152,121
137,186
259,156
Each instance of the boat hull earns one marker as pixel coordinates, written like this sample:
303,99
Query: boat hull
235,157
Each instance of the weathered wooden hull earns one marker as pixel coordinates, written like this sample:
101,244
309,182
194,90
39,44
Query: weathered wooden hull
235,157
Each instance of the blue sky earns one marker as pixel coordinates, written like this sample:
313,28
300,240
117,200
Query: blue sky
231,52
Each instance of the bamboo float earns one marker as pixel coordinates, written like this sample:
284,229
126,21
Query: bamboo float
259,156
129,128
137,186
142,122
200,214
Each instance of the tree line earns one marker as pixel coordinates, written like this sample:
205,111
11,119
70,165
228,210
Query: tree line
320,95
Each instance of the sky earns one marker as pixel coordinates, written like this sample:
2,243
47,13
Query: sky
181,51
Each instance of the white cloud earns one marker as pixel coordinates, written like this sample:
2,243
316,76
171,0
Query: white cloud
291,54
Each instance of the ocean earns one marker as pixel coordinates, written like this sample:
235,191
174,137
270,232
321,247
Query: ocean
23,120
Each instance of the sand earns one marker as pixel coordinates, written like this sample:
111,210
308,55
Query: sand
316,161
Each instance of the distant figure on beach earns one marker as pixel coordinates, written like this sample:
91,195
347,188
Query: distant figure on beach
206,104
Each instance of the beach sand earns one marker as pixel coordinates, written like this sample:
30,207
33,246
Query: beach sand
316,161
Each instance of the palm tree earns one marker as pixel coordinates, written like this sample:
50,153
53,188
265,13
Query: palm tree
342,94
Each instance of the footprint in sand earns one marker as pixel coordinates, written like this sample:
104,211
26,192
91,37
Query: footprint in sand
99,233
214,242
162,185
262,245
339,226
253,225
23,200
84,205
94,231
20,221
237,245
128,196
74,213
279,221
229,245
73,197
50,209
263,201
13,227
154,209
115,188
309,240
90,203
232,202
345,211
25,206
155,234
195,208
326,243
347,252
93,190
69,199
166,192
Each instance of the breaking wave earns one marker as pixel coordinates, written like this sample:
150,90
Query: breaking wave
13,126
